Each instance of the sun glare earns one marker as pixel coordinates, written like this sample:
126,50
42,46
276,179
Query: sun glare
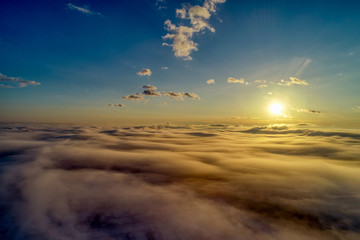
276,108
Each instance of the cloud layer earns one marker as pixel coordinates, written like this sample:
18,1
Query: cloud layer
179,182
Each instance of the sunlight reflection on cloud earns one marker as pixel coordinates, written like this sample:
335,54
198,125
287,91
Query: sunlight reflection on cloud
178,182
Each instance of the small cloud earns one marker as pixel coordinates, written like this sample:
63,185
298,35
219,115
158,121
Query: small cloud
178,96
163,103
160,4
234,80
260,81
182,36
15,80
151,91
85,10
262,86
210,81
134,97
164,68
192,95
5,86
116,105
144,72
293,81
270,93
149,87
304,110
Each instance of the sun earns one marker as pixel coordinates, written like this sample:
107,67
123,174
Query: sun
276,108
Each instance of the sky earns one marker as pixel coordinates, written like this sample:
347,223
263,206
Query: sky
162,60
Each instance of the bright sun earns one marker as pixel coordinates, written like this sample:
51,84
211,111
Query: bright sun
276,108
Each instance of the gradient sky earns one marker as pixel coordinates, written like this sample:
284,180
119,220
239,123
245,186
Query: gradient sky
74,61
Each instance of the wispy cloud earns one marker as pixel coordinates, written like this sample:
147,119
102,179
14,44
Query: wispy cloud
181,35
15,80
210,81
161,4
144,72
116,105
293,81
304,110
164,68
357,108
85,10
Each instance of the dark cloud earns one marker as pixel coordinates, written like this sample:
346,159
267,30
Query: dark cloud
151,91
178,182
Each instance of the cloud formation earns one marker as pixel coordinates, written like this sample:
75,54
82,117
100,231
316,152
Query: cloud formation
151,91
304,110
164,68
134,97
144,72
293,81
180,95
234,80
210,81
85,10
182,36
178,182
15,80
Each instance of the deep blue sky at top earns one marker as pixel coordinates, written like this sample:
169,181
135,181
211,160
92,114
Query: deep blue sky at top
93,59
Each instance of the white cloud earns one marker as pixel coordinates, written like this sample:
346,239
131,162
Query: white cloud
15,80
181,36
84,9
164,68
210,81
144,72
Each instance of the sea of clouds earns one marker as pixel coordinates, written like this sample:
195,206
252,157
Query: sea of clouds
203,182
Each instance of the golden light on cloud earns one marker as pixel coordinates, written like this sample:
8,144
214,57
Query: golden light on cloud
276,108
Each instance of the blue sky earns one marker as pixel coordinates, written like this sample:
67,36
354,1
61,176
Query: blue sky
66,61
